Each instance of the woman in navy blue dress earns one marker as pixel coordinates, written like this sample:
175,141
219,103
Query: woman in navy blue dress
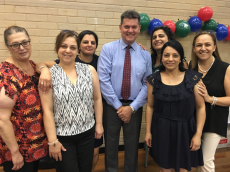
175,113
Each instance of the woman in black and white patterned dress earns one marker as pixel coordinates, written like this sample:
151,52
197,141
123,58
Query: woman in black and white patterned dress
69,108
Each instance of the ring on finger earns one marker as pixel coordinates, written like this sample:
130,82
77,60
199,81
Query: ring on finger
42,83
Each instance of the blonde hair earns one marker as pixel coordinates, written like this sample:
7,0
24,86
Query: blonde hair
194,58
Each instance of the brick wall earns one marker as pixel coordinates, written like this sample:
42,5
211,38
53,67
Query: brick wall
45,18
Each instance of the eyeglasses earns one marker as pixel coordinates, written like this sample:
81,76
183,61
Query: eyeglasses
17,45
71,31
206,31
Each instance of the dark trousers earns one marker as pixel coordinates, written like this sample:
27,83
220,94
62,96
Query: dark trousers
78,156
27,167
131,132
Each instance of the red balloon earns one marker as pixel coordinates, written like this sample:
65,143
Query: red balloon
205,13
228,37
171,25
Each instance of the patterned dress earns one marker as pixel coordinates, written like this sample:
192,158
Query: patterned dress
26,117
173,123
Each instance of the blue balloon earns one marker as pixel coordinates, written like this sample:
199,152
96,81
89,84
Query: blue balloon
221,32
195,23
153,24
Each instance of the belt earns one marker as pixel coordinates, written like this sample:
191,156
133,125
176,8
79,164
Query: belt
126,101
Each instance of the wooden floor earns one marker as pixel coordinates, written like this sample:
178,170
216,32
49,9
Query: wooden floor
222,162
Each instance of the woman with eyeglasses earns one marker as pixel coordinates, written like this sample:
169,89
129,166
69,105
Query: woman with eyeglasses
69,108
87,45
216,92
160,35
22,135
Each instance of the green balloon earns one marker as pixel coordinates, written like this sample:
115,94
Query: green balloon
210,25
182,28
144,22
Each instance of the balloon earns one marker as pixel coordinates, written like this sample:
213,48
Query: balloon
153,24
210,25
221,32
144,22
228,37
182,28
205,13
171,25
195,23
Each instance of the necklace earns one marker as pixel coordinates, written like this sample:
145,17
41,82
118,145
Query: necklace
205,71
172,79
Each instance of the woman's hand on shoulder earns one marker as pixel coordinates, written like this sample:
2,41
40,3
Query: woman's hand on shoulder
142,46
45,80
202,90
55,151
148,139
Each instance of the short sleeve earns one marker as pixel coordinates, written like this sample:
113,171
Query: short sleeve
192,78
153,78
10,88
9,81
150,79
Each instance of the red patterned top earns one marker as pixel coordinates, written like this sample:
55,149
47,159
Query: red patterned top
26,117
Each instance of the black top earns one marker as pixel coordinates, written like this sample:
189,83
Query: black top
155,68
92,63
216,117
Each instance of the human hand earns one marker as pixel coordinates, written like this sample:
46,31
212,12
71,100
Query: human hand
125,113
202,90
55,150
195,143
45,79
99,130
142,46
17,160
148,139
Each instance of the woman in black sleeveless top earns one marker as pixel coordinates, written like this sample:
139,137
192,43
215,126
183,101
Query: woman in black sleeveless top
215,91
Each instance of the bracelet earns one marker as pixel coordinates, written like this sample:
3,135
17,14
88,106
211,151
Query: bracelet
214,101
41,68
53,143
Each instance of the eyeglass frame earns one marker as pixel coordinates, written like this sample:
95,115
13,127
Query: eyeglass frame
20,44
206,31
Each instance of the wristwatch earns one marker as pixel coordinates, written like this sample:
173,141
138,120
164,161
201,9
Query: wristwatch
133,110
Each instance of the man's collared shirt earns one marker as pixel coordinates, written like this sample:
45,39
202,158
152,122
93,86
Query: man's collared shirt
110,72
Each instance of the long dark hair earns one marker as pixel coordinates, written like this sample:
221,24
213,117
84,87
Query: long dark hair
178,47
169,34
